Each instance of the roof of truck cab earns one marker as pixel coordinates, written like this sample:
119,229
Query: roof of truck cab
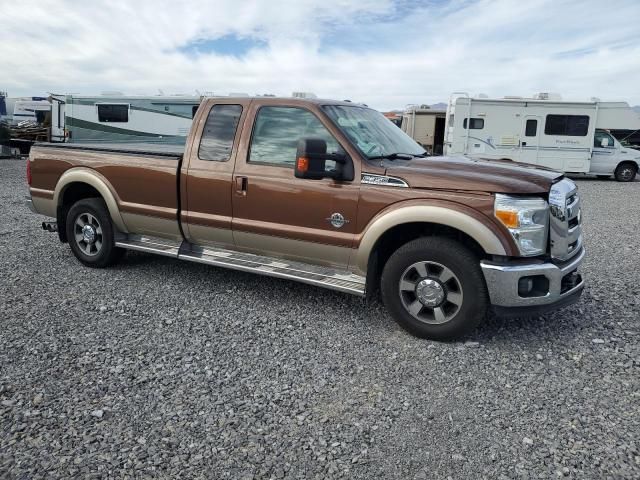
301,101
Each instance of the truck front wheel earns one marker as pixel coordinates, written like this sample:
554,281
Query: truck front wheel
91,235
626,172
434,288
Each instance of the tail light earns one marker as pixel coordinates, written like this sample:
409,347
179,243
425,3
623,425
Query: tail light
29,171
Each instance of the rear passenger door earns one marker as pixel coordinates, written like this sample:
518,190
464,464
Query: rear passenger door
206,180
280,215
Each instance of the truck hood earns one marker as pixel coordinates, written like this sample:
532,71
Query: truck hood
463,173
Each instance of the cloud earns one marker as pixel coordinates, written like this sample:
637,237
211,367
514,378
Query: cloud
381,52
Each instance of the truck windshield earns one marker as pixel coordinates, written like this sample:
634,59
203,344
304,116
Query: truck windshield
373,134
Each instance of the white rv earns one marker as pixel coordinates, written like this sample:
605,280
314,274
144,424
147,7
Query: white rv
425,126
119,118
570,137
20,109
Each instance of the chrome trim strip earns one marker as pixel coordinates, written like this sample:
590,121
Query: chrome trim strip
382,180
502,281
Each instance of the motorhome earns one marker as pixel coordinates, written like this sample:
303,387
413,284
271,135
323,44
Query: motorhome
571,137
425,126
118,118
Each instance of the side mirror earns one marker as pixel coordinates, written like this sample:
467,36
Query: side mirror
311,161
604,143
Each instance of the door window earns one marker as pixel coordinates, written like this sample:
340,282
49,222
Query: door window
219,131
600,136
276,133
531,128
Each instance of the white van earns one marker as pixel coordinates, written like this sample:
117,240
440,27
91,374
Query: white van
565,136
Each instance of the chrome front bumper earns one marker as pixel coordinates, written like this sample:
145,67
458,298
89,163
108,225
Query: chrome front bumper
564,283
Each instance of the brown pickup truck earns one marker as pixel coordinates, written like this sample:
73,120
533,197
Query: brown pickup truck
330,194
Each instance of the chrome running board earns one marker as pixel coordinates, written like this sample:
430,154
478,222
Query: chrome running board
326,277
143,243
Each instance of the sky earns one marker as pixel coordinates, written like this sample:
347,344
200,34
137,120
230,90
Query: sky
385,53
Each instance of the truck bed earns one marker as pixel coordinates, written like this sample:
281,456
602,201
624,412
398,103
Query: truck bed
155,149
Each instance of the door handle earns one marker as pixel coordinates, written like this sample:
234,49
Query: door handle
524,144
241,186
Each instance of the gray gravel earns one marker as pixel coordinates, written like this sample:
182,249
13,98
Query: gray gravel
158,368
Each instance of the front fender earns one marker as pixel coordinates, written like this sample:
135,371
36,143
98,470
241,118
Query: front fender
449,214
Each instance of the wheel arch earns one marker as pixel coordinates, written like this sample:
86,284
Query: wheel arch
391,229
79,183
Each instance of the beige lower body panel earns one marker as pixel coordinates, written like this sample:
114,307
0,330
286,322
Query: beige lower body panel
210,236
153,226
298,250
44,206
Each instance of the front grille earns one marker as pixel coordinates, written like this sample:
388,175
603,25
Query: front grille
565,229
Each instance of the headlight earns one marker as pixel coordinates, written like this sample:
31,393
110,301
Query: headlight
527,219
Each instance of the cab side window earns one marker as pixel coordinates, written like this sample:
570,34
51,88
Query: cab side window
219,132
599,137
276,133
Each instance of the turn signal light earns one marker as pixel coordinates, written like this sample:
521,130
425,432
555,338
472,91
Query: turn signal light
302,164
509,218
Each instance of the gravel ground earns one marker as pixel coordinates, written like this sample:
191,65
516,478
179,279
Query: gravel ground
167,369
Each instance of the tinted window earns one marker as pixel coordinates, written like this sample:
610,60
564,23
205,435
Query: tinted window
219,132
113,113
601,135
194,110
531,128
570,125
277,131
474,124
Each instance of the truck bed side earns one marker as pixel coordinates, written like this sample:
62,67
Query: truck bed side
139,187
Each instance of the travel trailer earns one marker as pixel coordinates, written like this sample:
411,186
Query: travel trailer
14,110
425,126
118,118
571,137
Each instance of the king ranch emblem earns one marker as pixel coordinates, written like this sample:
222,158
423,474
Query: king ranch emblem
337,220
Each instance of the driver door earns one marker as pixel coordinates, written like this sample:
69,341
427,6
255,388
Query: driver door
277,214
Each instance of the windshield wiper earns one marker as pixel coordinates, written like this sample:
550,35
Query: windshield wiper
397,156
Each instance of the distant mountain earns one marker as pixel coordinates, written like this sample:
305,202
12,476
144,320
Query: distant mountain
636,108
439,106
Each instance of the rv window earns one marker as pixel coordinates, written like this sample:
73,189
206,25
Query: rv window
194,110
569,125
474,124
531,128
113,113
219,131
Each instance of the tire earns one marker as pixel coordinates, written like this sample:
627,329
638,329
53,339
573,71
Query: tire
91,234
450,283
626,172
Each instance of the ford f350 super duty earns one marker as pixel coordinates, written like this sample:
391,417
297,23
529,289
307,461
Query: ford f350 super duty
331,194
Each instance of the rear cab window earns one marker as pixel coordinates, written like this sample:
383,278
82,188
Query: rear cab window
219,133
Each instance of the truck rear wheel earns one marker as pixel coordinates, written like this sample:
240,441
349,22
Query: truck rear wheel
434,288
626,172
91,235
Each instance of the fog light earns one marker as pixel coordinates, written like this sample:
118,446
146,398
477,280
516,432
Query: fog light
533,286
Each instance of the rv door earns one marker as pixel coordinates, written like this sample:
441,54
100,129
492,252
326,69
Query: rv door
57,120
530,139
